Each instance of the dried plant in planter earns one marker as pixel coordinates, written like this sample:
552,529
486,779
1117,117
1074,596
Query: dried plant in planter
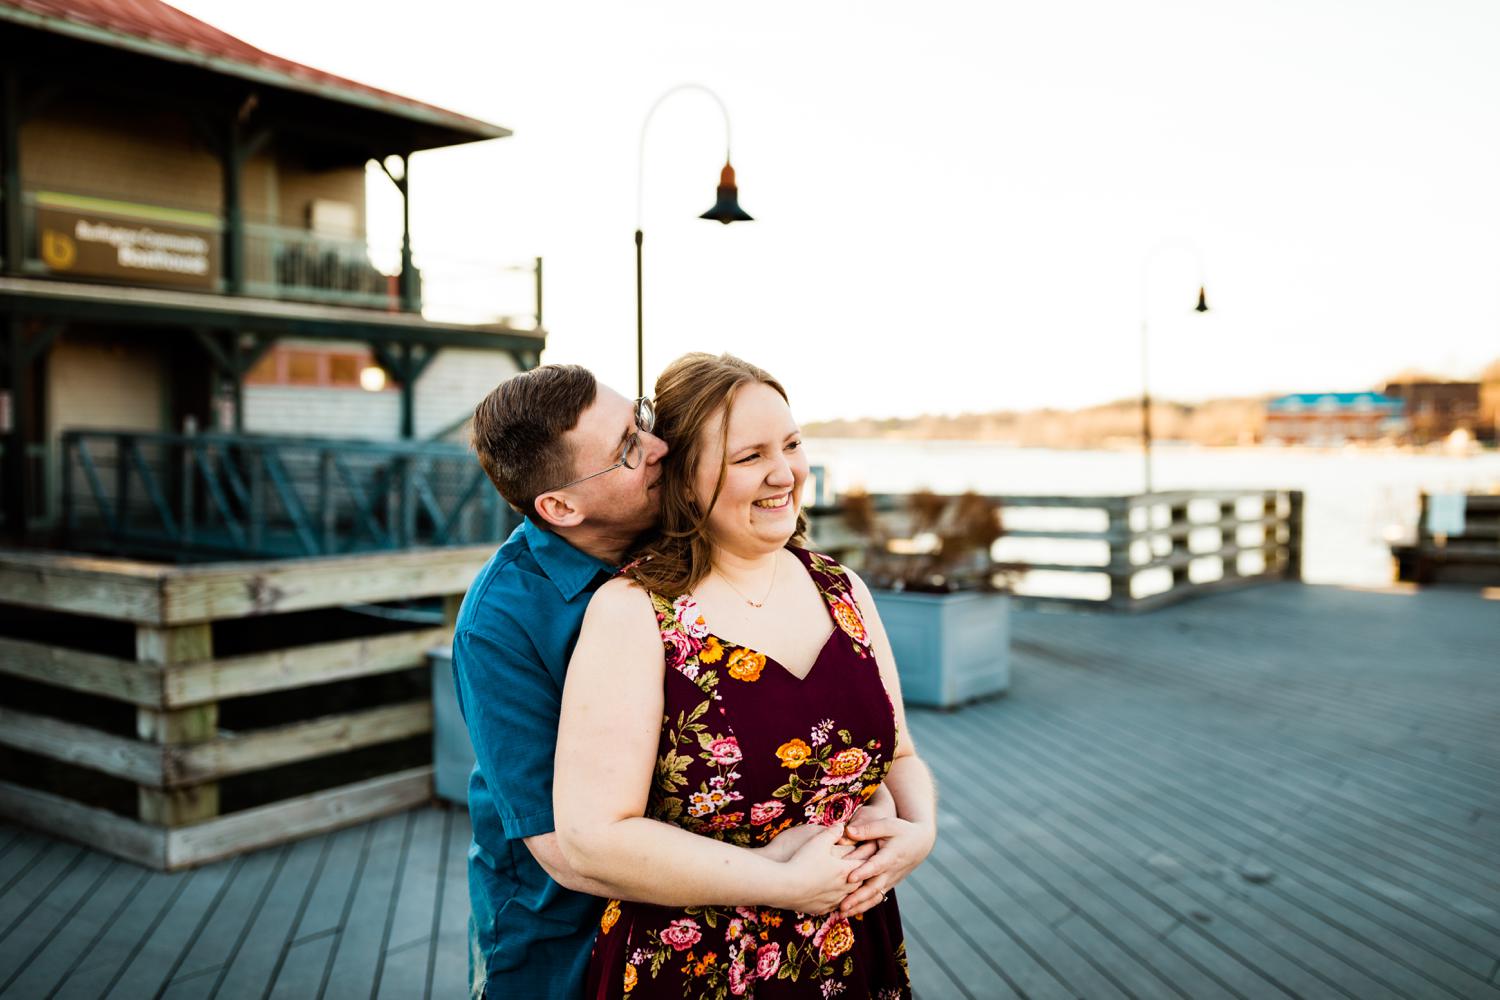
945,547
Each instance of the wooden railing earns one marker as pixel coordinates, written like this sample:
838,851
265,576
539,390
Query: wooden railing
1469,555
189,497
1125,552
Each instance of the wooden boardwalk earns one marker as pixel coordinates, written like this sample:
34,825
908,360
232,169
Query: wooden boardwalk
1285,791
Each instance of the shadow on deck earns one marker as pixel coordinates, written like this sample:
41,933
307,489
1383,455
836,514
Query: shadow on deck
1285,791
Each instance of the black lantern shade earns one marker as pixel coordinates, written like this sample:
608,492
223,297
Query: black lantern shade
727,208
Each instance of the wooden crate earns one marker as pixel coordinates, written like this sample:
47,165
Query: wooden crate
174,715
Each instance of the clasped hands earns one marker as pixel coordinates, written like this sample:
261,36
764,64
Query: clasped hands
850,867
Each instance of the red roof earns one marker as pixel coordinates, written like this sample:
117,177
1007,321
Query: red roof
155,22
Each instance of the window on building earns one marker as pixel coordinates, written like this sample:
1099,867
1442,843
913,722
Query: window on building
335,368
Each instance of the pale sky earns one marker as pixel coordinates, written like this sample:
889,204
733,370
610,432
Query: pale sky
954,200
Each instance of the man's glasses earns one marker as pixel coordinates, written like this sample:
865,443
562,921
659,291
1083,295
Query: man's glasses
633,451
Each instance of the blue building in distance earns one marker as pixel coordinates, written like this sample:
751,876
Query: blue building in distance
1333,418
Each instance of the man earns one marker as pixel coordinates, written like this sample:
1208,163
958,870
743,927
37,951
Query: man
580,462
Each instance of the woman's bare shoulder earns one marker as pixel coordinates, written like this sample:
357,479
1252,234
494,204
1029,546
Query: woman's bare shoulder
621,602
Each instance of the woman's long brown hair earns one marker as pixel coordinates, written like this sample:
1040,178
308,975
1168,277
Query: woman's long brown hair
690,394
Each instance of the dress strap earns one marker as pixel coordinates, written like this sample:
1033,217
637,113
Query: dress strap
685,640
832,581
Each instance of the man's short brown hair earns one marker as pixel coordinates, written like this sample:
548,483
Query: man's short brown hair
519,428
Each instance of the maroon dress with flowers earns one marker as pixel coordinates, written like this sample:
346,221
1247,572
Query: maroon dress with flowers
748,750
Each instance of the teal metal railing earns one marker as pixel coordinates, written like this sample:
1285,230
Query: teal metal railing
203,496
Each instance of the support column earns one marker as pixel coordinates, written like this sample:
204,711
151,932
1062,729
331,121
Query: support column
13,472
410,297
234,218
175,727
11,217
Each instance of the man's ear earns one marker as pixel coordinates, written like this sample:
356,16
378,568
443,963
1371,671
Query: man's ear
555,510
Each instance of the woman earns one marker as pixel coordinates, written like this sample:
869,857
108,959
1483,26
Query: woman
735,685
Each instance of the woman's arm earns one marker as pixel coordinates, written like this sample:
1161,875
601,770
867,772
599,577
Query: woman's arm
906,839
606,755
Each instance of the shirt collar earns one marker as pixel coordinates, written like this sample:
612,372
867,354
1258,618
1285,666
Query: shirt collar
570,569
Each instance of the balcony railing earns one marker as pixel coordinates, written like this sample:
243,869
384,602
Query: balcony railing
87,237
188,497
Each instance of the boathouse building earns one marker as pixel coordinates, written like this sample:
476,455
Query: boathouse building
184,247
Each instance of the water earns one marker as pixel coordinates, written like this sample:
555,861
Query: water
1357,501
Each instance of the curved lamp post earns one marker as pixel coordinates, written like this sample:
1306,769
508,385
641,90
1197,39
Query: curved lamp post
726,209
1201,307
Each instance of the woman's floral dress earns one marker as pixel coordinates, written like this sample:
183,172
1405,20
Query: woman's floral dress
747,750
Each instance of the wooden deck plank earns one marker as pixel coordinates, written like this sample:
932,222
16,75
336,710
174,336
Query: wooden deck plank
1201,821
174,932
408,939
128,924
30,886
75,940
20,950
447,962
1139,960
1006,955
1051,968
351,973
1446,875
325,910
253,961
224,929
301,975
1127,815
1226,863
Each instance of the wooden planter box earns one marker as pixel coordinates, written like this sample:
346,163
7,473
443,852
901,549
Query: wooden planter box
950,648
174,715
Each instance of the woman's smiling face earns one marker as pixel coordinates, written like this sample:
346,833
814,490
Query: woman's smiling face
764,469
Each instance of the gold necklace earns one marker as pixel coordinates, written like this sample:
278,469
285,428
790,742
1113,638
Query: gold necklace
762,602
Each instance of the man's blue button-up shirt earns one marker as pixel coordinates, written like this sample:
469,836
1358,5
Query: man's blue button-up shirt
511,644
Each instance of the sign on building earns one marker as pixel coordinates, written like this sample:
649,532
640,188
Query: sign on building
129,243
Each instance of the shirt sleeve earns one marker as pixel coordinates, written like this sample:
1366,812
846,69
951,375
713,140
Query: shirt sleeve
511,705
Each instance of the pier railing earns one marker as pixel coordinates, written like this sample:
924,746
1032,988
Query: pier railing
191,497
1128,553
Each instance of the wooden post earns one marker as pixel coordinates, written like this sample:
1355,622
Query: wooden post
1179,519
1229,537
1294,536
1121,540
197,724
